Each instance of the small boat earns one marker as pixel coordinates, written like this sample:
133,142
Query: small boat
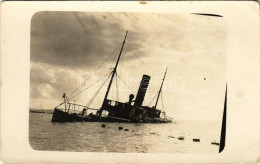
37,111
132,111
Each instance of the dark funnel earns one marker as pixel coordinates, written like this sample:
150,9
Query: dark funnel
142,90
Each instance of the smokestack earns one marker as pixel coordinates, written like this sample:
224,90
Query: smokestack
142,90
131,97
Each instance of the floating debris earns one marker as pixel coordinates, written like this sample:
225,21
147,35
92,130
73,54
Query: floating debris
120,128
196,140
103,125
154,133
181,138
126,129
214,143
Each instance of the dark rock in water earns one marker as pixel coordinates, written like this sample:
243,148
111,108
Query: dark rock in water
196,140
214,143
126,129
180,138
103,125
120,128
154,133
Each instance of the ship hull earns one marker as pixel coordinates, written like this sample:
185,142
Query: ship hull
61,116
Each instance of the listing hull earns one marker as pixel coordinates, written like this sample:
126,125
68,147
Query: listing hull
62,116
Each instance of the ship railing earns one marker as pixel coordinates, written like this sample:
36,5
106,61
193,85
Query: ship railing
114,103
75,108
166,117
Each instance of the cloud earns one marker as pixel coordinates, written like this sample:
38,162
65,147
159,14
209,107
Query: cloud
72,39
51,82
67,45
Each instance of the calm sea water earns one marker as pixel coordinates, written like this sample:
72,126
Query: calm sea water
91,137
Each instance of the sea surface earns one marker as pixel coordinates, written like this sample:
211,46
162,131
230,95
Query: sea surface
141,138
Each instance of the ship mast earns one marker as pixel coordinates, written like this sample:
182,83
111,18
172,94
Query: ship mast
112,77
160,89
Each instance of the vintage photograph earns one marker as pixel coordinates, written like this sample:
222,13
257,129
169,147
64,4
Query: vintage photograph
127,82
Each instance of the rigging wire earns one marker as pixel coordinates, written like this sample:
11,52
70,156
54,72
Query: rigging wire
97,92
122,61
153,99
152,90
117,93
113,63
91,85
162,101
94,71
139,58
125,83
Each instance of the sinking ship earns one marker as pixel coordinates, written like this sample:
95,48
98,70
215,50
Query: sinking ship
132,111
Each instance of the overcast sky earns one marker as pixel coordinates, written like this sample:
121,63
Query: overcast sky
67,47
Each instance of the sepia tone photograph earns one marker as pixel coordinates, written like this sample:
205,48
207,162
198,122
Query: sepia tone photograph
127,82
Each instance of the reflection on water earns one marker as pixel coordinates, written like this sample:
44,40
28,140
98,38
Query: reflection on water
91,137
